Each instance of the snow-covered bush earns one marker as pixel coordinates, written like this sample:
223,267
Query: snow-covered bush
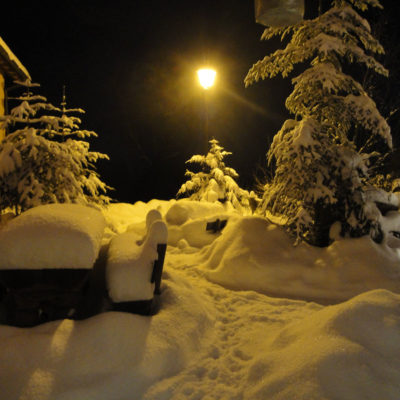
322,157
215,181
40,162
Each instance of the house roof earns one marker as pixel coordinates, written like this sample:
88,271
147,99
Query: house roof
10,65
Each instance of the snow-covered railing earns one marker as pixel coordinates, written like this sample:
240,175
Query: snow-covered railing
134,266
46,255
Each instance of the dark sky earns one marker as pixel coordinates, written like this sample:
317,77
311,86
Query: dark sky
131,66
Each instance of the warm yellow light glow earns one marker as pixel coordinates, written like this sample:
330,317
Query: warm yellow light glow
206,77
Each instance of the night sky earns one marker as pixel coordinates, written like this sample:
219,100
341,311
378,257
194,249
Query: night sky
131,65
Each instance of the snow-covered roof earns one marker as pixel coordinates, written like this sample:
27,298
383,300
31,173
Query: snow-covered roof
10,65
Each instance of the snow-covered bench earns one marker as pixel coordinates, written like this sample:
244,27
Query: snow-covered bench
216,226
134,266
46,255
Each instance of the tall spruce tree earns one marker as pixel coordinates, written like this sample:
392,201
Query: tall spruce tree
215,181
40,162
322,156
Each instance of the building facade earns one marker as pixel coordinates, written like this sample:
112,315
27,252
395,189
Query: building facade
11,69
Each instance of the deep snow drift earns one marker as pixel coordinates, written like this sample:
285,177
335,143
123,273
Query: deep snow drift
218,333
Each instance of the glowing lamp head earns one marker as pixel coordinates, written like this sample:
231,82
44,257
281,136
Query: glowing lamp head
206,77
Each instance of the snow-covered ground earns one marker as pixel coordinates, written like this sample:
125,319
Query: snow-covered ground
243,315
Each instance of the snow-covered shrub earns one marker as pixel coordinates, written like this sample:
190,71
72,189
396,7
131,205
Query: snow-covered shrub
40,162
322,157
215,181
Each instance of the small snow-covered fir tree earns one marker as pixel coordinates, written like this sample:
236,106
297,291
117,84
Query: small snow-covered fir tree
215,181
322,156
39,160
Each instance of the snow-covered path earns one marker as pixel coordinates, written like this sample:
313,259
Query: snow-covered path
242,321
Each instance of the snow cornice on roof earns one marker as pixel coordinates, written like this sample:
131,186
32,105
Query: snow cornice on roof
10,65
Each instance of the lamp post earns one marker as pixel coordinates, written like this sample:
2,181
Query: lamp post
206,79
278,13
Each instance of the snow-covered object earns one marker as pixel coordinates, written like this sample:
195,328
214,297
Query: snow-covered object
52,236
142,227
130,266
151,216
187,222
194,232
183,210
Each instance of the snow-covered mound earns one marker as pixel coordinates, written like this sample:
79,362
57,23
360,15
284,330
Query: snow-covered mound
123,216
188,223
253,254
52,236
347,351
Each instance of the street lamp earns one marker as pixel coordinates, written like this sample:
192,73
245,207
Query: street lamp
206,79
278,13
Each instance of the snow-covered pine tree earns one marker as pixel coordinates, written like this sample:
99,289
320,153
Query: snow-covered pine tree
215,181
322,156
39,161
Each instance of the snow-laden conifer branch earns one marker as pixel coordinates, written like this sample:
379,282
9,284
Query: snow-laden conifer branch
320,176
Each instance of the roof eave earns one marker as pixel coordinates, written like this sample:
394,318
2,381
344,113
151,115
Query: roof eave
10,64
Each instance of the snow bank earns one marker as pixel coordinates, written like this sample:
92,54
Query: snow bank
347,351
122,216
252,254
52,236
